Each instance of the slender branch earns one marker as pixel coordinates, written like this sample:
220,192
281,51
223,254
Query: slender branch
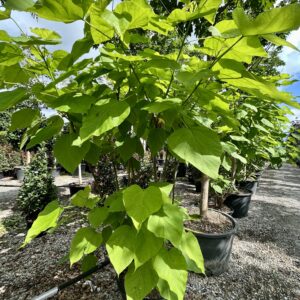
178,56
210,67
37,48
124,50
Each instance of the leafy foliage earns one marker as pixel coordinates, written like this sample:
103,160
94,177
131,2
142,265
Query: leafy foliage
9,158
208,103
37,189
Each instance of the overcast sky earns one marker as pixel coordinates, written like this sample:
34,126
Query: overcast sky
71,32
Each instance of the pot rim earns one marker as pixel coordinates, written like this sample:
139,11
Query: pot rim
217,235
242,194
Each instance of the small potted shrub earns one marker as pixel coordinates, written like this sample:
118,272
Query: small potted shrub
37,189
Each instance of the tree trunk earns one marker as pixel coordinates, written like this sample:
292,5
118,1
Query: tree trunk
204,196
79,174
233,168
28,158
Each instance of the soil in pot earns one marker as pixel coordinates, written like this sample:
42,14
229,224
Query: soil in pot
239,203
215,236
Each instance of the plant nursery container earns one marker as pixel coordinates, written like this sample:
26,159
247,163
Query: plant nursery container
75,188
249,185
216,248
239,203
20,172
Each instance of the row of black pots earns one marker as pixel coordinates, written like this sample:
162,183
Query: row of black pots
240,202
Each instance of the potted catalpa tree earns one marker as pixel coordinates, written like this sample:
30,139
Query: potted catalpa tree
175,98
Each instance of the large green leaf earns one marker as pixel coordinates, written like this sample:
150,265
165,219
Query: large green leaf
84,198
273,38
147,246
235,74
4,14
200,146
45,34
10,54
167,224
102,118
23,118
156,139
19,4
79,48
85,241
13,74
120,247
58,10
283,19
67,155
170,266
165,291
191,251
115,203
97,216
129,147
101,29
243,51
205,9
9,98
135,14
140,282
161,105
140,204
46,219
53,126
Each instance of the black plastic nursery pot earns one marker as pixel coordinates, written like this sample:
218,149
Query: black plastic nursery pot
239,203
75,188
249,185
20,172
181,171
198,186
216,248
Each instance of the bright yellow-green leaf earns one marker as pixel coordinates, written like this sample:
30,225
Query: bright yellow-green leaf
140,282
191,251
84,198
140,204
46,219
200,146
58,10
85,241
283,19
273,38
147,246
170,266
120,247
101,29
167,224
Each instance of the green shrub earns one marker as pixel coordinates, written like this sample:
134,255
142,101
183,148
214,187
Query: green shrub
37,189
8,158
104,177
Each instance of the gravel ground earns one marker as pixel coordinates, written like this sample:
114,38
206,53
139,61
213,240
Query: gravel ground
264,265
